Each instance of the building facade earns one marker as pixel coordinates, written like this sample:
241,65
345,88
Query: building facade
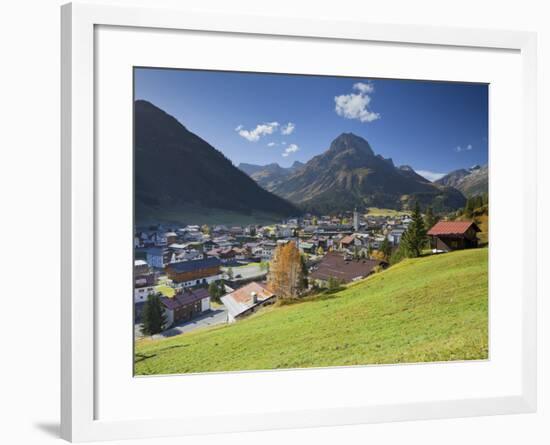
195,272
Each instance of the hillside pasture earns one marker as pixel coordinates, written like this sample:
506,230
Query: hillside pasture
428,309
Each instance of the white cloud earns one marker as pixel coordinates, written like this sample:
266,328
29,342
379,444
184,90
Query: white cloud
288,128
429,175
356,105
292,148
260,130
364,87
271,144
466,148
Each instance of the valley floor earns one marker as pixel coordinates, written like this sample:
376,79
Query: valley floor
427,309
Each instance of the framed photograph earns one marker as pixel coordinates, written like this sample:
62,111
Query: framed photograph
286,222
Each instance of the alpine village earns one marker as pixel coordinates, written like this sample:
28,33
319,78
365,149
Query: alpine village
344,260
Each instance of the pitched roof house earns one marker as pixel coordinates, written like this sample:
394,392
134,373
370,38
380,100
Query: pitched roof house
337,266
246,300
185,305
453,235
194,272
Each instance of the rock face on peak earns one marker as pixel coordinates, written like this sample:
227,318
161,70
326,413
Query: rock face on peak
471,182
349,174
175,168
350,142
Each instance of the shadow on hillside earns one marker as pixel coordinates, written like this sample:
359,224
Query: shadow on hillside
142,357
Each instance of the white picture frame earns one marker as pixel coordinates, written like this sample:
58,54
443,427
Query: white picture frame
79,417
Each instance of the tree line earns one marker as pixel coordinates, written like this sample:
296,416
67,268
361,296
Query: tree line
474,205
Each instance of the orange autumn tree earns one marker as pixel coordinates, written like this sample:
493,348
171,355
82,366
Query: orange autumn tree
287,272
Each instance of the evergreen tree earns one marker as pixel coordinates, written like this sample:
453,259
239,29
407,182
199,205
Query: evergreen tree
230,273
385,248
478,202
305,271
153,319
216,290
397,255
414,238
430,219
470,206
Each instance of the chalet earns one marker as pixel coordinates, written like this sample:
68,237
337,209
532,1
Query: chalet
195,272
347,241
396,234
225,254
185,305
268,248
159,238
192,228
186,255
453,235
246,300
144,281
345,270
148,238
284,231
193,236
220,229
307,247
141,267
171,237
236,230
223,241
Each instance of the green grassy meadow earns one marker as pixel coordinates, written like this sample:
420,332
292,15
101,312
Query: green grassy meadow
375,211
433,308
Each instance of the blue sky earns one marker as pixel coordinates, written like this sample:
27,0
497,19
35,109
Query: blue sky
435,127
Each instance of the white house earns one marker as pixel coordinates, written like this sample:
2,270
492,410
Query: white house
395,235
144,281
246,300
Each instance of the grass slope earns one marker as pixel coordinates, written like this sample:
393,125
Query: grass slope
428,309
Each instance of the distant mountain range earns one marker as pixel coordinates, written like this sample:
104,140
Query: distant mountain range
271,175
349,174
471,182
175,168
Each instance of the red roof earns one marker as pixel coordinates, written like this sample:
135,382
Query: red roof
347,239
452,228
244,294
